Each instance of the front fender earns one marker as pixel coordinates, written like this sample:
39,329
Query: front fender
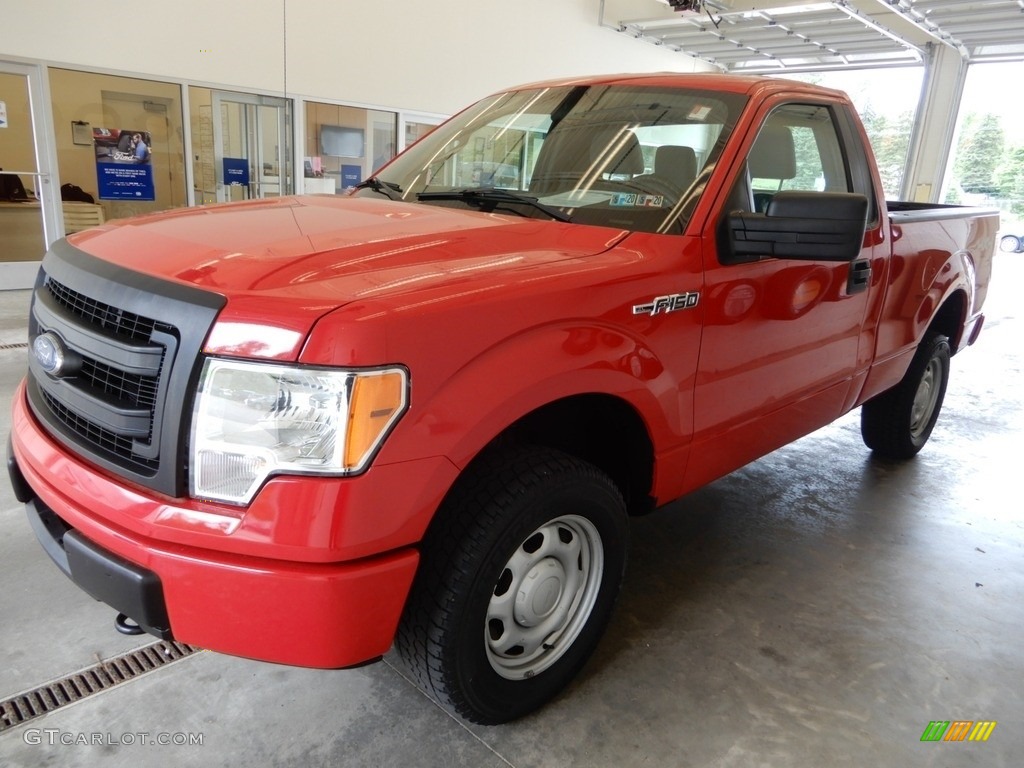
537,367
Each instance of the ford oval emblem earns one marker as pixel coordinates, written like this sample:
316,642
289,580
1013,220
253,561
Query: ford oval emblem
49,352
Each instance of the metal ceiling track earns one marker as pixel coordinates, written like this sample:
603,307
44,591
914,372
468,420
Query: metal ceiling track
979,31
839,34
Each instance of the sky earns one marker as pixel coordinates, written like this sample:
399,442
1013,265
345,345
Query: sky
996,88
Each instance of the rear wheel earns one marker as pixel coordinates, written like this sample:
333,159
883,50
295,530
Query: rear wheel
516,585
897,423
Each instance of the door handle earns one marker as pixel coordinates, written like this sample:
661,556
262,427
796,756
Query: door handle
860,276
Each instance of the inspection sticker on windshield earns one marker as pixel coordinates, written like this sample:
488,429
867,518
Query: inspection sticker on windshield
700,112
630,200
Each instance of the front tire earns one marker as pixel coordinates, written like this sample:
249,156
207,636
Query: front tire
897,423
517,582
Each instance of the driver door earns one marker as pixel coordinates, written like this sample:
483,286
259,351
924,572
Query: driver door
780,342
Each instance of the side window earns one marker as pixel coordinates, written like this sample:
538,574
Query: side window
797,148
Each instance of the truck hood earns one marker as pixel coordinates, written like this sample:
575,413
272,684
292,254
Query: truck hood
283,263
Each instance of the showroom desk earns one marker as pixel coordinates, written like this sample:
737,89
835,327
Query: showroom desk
21,232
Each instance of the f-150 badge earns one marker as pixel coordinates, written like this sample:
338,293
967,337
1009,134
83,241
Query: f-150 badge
666,304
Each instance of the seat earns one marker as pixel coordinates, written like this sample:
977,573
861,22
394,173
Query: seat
675,169
616,152
576,158
677,165
11,187
79,216
773,156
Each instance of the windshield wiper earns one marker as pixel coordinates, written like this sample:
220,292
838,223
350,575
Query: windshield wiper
387,188
492,195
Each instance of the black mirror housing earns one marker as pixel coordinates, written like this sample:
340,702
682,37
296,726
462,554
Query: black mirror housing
810,226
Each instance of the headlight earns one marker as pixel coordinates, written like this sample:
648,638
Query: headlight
253,420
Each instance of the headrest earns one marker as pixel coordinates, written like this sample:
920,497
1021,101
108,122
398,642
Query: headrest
678,164
579,156
618,151
773,155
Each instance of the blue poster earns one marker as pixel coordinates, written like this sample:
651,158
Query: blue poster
123,164
236,172
351,175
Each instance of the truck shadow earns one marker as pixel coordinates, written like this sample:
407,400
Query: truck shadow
808,529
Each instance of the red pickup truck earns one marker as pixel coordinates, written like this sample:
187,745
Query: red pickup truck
304,429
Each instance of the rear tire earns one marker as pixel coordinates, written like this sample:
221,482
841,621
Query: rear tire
897,423
517,582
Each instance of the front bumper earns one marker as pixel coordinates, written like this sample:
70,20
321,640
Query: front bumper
314,614
133,591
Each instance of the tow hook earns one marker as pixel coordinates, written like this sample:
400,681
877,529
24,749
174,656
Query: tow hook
126,626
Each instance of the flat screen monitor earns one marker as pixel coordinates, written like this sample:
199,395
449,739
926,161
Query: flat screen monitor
339,141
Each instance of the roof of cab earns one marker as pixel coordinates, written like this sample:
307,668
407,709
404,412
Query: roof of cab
716,81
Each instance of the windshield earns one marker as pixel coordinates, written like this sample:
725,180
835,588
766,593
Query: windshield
628,157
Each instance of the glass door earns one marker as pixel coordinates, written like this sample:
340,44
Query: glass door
29,201
252,146
412,127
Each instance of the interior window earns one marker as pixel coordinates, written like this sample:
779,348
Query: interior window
798,149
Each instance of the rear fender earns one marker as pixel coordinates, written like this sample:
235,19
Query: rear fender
951,300
943,301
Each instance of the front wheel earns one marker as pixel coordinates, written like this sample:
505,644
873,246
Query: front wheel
897,423
517,582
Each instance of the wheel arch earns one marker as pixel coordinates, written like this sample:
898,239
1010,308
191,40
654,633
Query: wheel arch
601,429
950,318
595,392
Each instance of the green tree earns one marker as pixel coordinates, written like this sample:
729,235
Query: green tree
979,152
1010,179
890,141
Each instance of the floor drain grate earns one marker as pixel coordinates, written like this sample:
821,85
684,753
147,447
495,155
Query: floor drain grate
19,345
100,677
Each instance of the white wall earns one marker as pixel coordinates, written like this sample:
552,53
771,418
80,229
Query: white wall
427,55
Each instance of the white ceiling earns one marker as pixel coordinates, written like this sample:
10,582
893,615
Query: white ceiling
792,35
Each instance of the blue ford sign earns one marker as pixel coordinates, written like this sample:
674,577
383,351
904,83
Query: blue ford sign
49,352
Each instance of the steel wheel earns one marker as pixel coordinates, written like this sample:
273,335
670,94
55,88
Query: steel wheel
897,423
543,597
925,399
518,577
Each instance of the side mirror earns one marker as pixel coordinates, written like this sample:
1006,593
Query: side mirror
811,226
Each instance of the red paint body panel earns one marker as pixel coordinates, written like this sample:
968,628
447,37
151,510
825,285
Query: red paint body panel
294,610
299,519
936,255
285,262
494,316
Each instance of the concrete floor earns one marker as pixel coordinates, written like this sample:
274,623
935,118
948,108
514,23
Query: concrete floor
816,608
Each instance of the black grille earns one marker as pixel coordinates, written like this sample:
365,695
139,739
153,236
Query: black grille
100,315
129,388
133,345
103,439
121,389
